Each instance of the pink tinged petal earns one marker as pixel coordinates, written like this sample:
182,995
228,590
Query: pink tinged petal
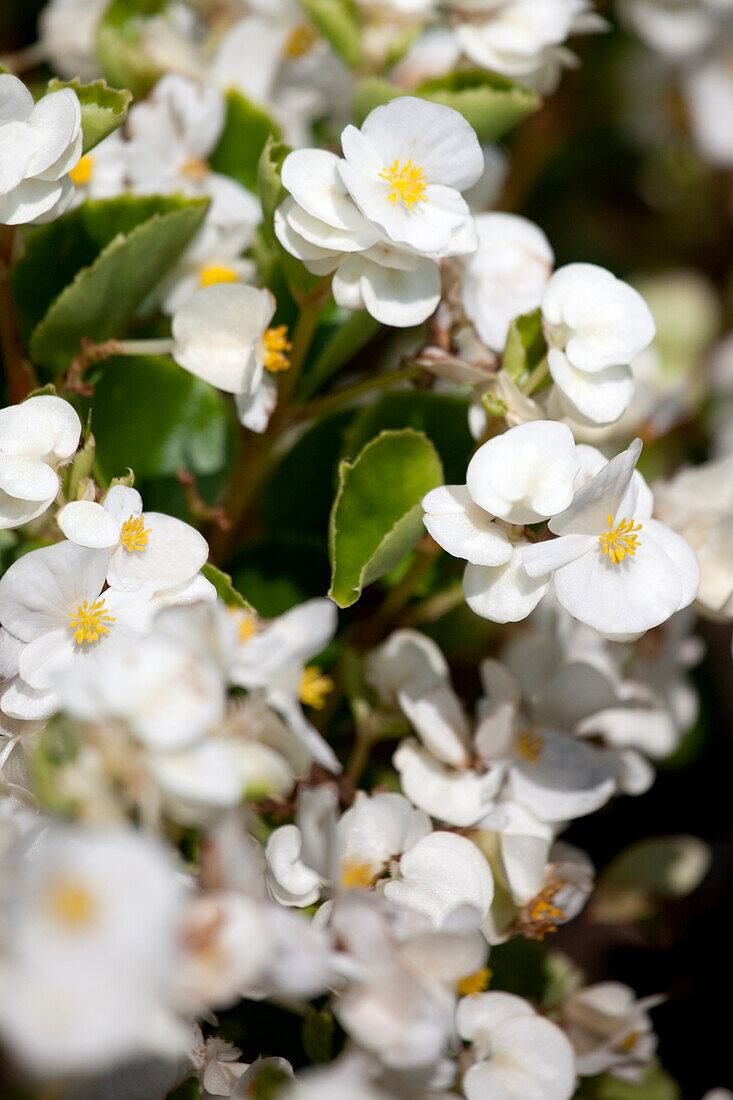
40,589
27,478
464,529
88,524
505,594
591,506
541,558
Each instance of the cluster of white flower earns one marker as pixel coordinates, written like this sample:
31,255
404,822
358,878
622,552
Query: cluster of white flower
211,798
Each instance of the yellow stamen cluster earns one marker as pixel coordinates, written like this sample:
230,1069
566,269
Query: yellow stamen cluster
530,746
70,904
542,915
82,171
134,534
209,276
88,622
314,687
276,346
301,42
356,876
406,182
620,540
474,983
247,626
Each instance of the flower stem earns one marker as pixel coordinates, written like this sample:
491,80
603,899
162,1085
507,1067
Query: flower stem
144,347
20,376
537,377
334,402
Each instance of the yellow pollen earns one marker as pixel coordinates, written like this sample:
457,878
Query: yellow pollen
620,540
276,346
82,171
247,626
301,42
474,983
530,746
88,621
314,687
628,1044
407,183
134,535
195,169
70,904
356,876
209,276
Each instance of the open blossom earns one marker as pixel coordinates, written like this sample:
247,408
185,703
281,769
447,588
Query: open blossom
36,437
611,1030
515,1054
221,334
612,565
381,216
506,276
39,144
595,325
522,476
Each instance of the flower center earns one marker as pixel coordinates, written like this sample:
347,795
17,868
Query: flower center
70,904
217,273
530,746
82,171
406,182
474,983
275,346
88,621
134,534
314,687
620,540
195,169
355,875
247,626
301,42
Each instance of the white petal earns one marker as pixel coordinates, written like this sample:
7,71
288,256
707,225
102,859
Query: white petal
38,591
464,529
174,553
455,796
27,478
88,524
505,594
311,176
601,397
401,298
291,882
441,873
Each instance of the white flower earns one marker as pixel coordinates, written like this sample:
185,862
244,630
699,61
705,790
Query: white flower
506,277
52,602
613,566
272,659
382,215
709,96
610,1030
350,1076
146,548
220,334
517,1055
35,438
39,144
89,957
676,30
594,325
66,33
440,874
101,174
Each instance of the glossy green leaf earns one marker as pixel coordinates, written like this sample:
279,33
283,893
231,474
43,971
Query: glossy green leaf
150,414
319,1028
225,589
492,104
247,129
119,45
103,109
338,21
377,515
525,346
103,298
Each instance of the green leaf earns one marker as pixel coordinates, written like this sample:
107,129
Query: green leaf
492,104
103,298
377,515
647,873
657,1085
119,42
442,417
318,1034
154,416
103,109
338,21
225,589
346,340
525,346
246,131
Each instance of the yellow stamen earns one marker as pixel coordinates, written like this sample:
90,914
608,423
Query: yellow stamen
301,42
88,622
195,169
82,171
134,534
620,540
314,687
628,1044
247,626
407,183
530,746
474,983
209,276
356,876
276,346
70,904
